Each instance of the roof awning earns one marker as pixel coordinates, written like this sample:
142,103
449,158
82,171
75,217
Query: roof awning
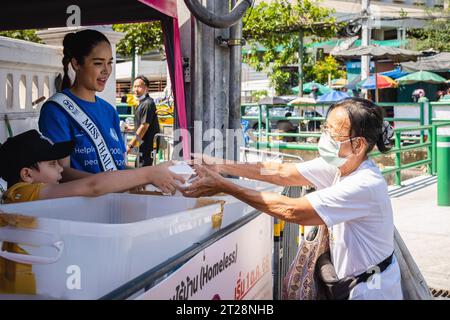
437,63
329,44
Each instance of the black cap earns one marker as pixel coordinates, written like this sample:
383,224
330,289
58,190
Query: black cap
28,148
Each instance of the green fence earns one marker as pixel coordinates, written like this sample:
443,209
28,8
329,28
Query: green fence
405,140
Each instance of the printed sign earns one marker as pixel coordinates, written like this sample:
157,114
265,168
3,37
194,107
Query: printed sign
236,267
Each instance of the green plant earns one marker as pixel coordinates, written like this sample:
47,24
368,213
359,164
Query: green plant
139,37
276,27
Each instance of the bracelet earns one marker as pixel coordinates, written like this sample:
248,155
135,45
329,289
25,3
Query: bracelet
130,146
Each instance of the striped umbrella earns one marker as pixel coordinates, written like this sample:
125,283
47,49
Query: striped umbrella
381,82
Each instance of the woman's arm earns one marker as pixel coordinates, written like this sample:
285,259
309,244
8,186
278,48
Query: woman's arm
282,174
297,210
114,181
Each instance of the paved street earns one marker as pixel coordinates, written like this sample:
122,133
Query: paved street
425,228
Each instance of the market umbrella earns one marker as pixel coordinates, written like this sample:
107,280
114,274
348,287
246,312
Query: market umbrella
338,83
307,88
394,74
380,82
354,84
437,63
271,101
396,55
379,52
421,76
333,96
301,100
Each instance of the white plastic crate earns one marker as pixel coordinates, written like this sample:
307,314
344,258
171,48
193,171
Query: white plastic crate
109,239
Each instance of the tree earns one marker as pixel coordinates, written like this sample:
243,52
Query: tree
28,35
276,27
141,37
435,34
329,66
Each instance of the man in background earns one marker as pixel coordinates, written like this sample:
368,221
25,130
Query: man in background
145,123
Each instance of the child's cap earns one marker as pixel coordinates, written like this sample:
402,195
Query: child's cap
28,148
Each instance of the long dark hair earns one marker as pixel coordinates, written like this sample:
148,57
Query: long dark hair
366,120
79,45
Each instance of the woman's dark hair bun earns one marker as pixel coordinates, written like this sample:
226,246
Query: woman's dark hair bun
68,41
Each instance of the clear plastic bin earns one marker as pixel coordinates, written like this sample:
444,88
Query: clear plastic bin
109,239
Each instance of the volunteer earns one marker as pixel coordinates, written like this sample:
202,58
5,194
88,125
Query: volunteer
351,199
146,123
78,114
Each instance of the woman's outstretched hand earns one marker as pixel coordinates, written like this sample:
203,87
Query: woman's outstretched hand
207,161
164,179
208,183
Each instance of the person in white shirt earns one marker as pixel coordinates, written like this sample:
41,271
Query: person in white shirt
351,196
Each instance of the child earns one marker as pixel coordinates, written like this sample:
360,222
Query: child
29,164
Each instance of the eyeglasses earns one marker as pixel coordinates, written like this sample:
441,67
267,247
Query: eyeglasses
326,129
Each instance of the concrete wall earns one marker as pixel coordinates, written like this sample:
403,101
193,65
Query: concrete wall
27,72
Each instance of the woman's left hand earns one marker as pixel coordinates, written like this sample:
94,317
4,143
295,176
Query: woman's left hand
207,184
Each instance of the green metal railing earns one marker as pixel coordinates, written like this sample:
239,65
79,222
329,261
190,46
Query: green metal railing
404,140
398,149
265,114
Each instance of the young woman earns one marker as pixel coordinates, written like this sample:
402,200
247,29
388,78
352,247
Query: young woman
351,199
78,114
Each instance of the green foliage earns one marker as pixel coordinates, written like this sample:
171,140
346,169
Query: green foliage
258,95
435,34
322,69
27,35
276,27
141,37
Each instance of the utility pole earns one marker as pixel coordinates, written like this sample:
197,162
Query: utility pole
365,40
133,68
300,63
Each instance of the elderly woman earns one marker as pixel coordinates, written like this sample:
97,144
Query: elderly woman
351,199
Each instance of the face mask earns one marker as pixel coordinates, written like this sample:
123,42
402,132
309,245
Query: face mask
329,150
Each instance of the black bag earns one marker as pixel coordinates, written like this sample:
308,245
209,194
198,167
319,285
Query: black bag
339,289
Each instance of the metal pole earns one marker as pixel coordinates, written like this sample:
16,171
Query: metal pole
235,87
365,40
377,93
133,64
300,63
434,149
422,121
398,159
443,166
267,123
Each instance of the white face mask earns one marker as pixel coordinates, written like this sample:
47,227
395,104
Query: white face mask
329,150
141,97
